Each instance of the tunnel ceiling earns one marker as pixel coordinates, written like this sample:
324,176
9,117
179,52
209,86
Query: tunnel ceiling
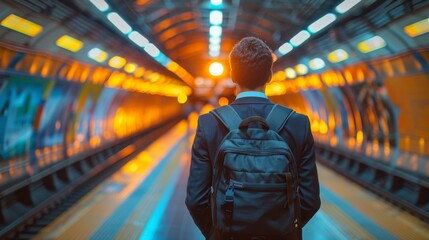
180,28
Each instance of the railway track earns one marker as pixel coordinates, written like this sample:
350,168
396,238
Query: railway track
404,189
82,176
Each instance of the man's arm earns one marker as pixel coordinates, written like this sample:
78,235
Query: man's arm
199,183
308,180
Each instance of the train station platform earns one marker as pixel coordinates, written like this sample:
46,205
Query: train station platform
99,101
145,200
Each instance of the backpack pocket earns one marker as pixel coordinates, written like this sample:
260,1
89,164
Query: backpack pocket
258,208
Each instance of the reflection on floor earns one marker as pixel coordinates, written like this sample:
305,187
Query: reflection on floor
145,200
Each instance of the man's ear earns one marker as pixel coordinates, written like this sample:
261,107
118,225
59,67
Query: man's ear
232,77
270,76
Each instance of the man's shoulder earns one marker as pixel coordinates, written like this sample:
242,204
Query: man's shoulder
297,116
207,119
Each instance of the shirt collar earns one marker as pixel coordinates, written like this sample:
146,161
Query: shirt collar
251,94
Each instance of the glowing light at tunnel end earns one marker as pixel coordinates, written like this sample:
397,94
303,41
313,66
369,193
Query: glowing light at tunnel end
216,69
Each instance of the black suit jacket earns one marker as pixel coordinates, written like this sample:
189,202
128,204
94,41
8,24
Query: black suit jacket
209,134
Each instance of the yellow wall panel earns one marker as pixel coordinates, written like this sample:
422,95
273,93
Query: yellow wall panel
410,95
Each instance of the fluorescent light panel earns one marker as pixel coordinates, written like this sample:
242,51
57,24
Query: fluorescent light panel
338,55
69,43
215,31
97,55
152,50
215,40
21,25
119,22
316,63
213,47
214,53
301,69
216,2
130,67
346,5
100,5
290,73
139,72
371,44
216,17
417,28
299,38
322,23
285,48
117,62
138,39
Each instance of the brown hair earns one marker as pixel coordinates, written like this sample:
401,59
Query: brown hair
251,63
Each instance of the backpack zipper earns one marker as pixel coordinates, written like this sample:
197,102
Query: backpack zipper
254,152
259,186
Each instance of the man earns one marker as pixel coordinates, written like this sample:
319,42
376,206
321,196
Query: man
251,69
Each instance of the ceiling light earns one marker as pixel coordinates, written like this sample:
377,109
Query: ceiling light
152,50
346,5
139,72
215,31
97,55
100,5
138,39
119,22
338,56
130,67
70,43
161,58
21,25
299,38
216,17
322,23
417,28
216,2
173,66
214,53
301,69
371,44
316,63
215,40
290,73
117,62
182,98
214,47
285,48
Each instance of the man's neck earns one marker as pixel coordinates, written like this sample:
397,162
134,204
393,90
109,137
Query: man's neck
258,89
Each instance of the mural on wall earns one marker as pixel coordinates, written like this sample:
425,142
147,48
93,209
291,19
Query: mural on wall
101,129
51,126
44,121
79,127
20,99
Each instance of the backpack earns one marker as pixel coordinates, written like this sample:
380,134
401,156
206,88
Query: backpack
255,178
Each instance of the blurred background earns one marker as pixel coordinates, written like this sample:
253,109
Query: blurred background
87,85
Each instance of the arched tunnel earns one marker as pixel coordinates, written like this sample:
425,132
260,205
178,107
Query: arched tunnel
99,101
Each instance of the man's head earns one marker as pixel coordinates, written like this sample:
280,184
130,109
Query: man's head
251,63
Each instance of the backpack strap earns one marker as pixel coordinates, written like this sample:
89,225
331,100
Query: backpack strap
278,117
228,116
